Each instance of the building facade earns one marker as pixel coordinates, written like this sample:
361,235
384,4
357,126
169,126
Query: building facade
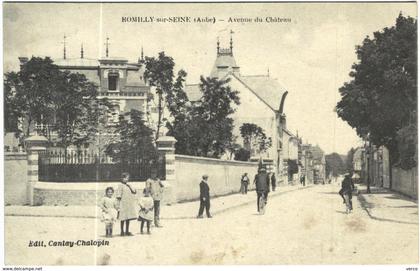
117,79
120,81
262,102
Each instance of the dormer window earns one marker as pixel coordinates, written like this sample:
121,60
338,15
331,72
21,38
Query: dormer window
113,81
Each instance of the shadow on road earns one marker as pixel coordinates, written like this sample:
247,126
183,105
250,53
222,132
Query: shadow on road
407,206
330,193
367,206
341,212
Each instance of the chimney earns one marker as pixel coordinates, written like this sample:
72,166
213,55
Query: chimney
23,60
283,121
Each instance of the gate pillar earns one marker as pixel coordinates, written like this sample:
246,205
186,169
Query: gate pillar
34,145
166,147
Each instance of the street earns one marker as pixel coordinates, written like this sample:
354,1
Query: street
306,226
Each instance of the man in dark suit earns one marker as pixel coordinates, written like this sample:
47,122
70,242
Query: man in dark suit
262,185
273,182
347,187
204,197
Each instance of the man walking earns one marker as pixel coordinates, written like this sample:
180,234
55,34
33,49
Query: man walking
273,182
204,197
244,183
262,185
155,187
302,179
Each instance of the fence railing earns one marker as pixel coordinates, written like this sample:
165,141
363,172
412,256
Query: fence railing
86,166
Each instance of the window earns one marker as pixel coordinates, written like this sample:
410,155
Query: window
112,81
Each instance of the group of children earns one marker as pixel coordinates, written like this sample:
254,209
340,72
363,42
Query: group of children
126,207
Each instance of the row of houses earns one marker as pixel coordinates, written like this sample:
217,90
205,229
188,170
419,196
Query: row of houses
371,164
263,102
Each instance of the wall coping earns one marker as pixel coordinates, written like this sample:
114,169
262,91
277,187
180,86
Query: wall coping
214,160
15,156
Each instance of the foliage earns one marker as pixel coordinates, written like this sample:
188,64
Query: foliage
160,74
135,139
382,95
29,92
334,164
42,93
204,128
349,160
74,106
254,138
96,125
407,146
242,155
12,114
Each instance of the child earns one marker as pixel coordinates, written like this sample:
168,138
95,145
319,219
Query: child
146,210
127,201
109,210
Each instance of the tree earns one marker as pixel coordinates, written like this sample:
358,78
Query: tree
29,92
159,73
254,138
76,110
135,140
334,164
381,98
349,160
98,130
204,128
12,114
40,92
242,154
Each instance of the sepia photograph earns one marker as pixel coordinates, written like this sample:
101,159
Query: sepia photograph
217,133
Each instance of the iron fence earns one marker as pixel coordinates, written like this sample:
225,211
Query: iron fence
84,166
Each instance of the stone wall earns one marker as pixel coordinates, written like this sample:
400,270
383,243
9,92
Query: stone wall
62,194
224,176
15,178
183,174
405,181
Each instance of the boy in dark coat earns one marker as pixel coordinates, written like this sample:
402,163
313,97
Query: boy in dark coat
204,198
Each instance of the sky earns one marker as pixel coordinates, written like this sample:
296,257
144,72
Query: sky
310,54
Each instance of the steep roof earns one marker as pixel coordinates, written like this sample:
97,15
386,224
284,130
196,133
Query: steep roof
223,61
268,89
264,87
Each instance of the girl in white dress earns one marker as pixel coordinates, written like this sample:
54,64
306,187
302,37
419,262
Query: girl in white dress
109,207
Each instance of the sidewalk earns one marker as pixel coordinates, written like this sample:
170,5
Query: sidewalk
185,210
385,205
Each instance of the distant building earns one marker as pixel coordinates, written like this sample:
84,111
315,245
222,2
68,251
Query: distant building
373,163
316,166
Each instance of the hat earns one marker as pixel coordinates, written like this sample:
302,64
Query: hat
205,176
